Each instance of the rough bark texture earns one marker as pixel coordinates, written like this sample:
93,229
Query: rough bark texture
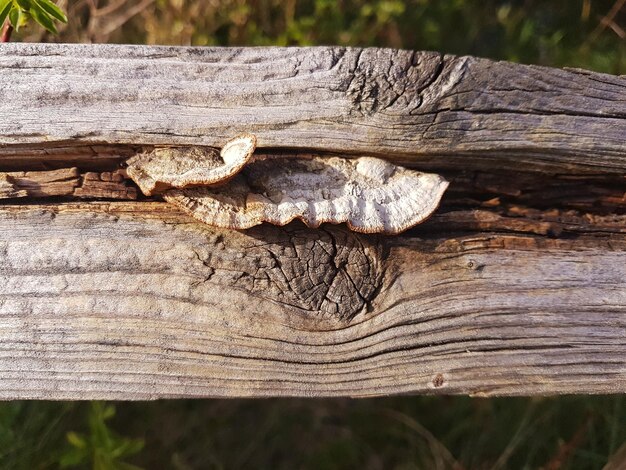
516,286
410,106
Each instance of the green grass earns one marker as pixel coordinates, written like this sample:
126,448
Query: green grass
399,432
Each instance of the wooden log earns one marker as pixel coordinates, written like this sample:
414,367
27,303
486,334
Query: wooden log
516,286
414,107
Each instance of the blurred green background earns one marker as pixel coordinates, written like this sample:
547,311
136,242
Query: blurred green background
384,433
575,33
395,432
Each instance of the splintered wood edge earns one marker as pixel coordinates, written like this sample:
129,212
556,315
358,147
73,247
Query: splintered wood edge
66,182
152,171
8,188
370,194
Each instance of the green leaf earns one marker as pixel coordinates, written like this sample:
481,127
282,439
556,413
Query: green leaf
127,447
52,10
76,439
43,19
5,8
24,4
108,412
15,17
4,4
73,457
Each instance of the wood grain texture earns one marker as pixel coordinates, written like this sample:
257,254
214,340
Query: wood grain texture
413,107
139,301
516,286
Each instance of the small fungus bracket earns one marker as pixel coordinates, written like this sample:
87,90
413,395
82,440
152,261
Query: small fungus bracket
182,167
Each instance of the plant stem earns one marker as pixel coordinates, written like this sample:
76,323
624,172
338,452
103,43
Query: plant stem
7,29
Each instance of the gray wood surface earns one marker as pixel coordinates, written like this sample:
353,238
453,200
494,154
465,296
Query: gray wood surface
138,301
416,107
516,286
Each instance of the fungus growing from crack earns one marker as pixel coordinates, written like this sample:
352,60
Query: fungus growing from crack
182,167
369,194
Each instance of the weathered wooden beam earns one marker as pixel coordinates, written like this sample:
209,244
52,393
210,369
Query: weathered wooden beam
516,286
414,107
138,301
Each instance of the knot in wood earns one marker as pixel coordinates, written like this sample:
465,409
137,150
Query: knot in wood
384,79
331,272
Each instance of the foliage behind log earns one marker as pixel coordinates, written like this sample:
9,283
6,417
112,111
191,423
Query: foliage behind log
560,33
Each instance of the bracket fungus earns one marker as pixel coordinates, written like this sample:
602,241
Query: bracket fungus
368,194
182,167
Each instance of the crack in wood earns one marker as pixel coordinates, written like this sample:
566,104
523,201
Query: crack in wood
390,81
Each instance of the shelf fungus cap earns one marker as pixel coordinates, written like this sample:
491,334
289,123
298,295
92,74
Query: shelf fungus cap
369,194
182,167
